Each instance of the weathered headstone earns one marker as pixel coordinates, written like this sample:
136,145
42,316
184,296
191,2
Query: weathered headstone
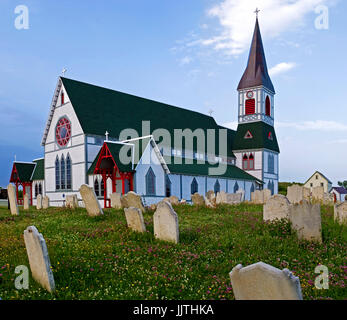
261,281
328,198
12,198
221,197
72,201
39,202
90,200
295,193
234,198
198,199
26,202
318,193
131,199
45,202
242,192
165,221
306,193
174,200
340,213
116,200
134,219
210,199
277,207
40,264
260,196
306,221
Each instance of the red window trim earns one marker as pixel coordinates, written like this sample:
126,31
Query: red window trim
250,106
248,162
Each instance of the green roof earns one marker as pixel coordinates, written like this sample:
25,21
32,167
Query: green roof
115,150
99,109
260,137
202,169
39,170
24,170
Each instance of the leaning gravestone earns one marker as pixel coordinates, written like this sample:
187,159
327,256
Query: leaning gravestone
45,202
340,213
72,201
116,200
39,202
131,199
134,219
165,221
90,200
296,193
38,258
261,281
306,221
198,199
318,193
277,207
12,199
26,202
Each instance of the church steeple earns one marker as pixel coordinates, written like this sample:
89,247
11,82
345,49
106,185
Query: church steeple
256,73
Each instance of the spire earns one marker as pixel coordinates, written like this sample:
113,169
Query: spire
256,73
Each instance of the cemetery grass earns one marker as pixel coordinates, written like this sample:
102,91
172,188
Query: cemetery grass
100,258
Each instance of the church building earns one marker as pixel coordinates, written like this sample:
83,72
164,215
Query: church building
117,142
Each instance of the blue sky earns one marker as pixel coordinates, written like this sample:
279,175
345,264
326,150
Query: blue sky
187,53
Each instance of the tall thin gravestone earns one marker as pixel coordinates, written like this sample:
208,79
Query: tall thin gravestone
12,199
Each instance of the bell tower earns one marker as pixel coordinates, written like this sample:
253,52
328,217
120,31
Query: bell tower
256,91
255,145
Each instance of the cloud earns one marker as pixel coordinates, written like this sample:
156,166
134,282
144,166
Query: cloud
316,125
281,68
186,60
237,21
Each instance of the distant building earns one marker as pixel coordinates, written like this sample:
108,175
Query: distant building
339,193
3,193
318,180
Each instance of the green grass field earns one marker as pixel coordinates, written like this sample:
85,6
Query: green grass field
99,258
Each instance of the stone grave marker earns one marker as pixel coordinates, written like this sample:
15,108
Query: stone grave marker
90,200
131,199
12,198
38,258
165,222
261,281
277,207
340,213
26,202
295,193
39,202
71,201
116,200
134,219
45,202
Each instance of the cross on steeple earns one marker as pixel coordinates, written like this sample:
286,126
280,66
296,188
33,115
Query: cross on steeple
256,12
106,134
63,72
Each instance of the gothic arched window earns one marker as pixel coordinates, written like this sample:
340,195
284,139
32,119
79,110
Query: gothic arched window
68,173
150,182
62,97
216,187
267,106
245,162
236,187
251,162
252,188
62,172
102,187
36,190
97,187
40,188
57,174
194,187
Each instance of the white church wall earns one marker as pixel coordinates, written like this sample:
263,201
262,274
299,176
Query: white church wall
175,185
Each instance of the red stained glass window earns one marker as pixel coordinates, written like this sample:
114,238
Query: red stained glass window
63,132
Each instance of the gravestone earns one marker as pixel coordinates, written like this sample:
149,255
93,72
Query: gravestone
26,202
318,193
165,221
12,199
306,221
134,219
277,207
242,192
261,281
45,202
131,199
221,197
340,213
210,199
38,258
116,200
295,193
72,201
90,201
328,199
39,202
234,198
174,200
260,196
198,199
306,193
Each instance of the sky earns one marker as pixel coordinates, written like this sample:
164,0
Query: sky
190,54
